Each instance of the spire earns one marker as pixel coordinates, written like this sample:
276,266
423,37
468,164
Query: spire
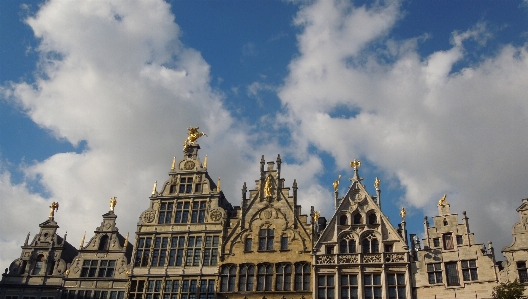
356,164
173,166
205,162
27,239
218,188
378,190
154,191
126,241
82,241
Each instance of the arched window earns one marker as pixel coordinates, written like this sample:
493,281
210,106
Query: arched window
246,278
357,218
227,278
38,265
370,244
347,246
372,218
302,277
283,278
264,277
103,243
343,220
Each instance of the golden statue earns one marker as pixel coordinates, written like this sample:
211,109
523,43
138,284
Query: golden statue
355,164
442,200
316,215
54,207
403,213
336,183
193,136
377,183
154,188
113,202
267,187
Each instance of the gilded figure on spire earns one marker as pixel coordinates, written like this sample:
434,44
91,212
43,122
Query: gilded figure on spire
54,207
194,134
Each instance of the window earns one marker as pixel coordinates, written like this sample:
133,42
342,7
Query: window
103,268
207,289
246,277
176,252
114,295
103,243
143,252
182,212
266,239
136,289
302,277
329,249
343,220
189,289
325,287
153,289
349,286
194,251
51,267
522,270
165,214
389,248
357,218
264,277
452,274
448,241
347,246
210,251
370,244
71,295
247,244
396,282
227,278
372,284
160,251
436,242
80,295
198,212
186,185
89,268
434,272
38,265
283,277
284,243
170,291
106,268
372,218
469,270
459,239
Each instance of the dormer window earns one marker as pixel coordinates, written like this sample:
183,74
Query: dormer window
448,241
357,218
343,220
186,185
372,219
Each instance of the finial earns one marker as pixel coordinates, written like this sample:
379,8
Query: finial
218,185
336,183
442,200
113,202
54,207
316,215
173,166
355,164
403,213
193,136
205,162
154,191
267,187
126,241
377,183
82,241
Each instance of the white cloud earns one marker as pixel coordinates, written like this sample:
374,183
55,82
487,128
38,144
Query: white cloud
436,131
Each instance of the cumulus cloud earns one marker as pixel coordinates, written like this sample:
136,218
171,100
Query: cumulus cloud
436,129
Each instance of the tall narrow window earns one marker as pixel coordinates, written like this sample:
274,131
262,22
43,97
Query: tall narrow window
452,274
194,251
246,278
372,218
227,278
343,220
160,251
264,277
357,218
50,267
136,289
325,287
143,252
349,286
182,212
247,244
38,265
198,212
207,289
165,214
210,251
171,289
266,238
176,252
188,289
370,244
103,243
347,246
434,273
153,289
302,277
284,242
396,282
523,271
469,270
460,240
448,241
372,286
283,277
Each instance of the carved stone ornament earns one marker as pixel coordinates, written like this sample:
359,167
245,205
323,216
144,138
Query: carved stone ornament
216,215
348,259
148,216
325,259
265,215
189,165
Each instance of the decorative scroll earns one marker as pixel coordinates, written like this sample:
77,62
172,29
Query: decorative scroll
326,259
348,259
394,257
372,258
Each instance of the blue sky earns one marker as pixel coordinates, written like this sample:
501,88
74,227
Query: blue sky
95,100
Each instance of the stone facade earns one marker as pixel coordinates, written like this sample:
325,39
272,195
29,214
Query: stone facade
190,243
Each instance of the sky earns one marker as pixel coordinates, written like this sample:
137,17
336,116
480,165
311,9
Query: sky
96,97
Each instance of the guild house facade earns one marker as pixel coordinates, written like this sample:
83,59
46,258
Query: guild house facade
191,243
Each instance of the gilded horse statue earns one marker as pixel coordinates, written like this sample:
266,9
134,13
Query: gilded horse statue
194,134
